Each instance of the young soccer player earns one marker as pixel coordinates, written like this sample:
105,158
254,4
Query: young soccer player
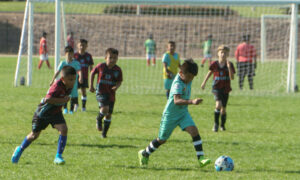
43,51
171,62
49,112
150,47
86,61
109,80
245,55
176,114
69,52
70,39
207,50
223,71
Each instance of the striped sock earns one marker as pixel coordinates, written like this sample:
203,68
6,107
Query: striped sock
198,146
151,148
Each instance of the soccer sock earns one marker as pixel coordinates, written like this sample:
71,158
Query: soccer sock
198,146
151,148
106,126
62,141
40,64
167,94
83,99
25,143
241,81
74,101
217,115
65,105
223,119
100,116
148,62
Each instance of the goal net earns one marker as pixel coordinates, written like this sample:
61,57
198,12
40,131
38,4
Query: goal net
126,25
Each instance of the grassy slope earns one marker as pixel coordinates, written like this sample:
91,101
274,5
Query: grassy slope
262,138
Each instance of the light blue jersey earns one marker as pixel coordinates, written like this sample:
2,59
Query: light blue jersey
77,67
178,87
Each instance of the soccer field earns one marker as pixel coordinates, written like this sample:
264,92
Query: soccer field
262,137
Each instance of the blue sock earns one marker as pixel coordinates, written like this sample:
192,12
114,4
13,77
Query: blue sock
25,144
62,141
167,94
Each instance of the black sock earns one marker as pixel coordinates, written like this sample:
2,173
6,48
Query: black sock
217,115
100,116
83,99
106,127
73,102
198,146
151,148
223,120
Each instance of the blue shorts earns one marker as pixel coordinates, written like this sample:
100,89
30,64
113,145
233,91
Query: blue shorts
168,83
168,124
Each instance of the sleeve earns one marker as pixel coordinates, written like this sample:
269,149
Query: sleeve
177,88
95,70
120,77
60,66
91,62
54,91
166,59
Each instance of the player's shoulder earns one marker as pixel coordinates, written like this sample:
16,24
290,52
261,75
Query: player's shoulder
87,54
117,68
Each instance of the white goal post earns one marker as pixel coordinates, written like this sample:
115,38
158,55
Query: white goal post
63,14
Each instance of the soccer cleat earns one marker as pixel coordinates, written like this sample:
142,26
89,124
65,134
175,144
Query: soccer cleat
143,160
83,110
203,161
16,155
104,136
75,107
65,111
99,125
71,112
59,160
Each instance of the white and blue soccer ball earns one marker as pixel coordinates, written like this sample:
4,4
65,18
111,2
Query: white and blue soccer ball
224,163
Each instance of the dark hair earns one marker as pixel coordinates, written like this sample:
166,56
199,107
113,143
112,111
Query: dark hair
172,42
83,41
44,34
68,70
246,37
69,49
111,51
189,66
209,36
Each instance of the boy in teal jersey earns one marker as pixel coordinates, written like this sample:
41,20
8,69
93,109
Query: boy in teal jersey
150,47
69,51
207,50
176,114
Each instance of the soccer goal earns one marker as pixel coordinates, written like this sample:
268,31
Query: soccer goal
126,25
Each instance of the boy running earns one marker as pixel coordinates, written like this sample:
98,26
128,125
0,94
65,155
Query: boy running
49,112
223,71
176,114
86,61
108,81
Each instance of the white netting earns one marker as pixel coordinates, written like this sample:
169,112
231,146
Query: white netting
127,26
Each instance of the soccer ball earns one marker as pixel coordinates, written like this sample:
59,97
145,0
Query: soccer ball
224,163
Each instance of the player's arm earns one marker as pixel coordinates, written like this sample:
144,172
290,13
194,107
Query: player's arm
179,101
54,77
92,76
55,100
118,84
91,67
169,73
206,78
231,74
80,76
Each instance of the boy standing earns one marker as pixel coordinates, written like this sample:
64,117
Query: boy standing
223,71
86,61
171,62
70,62
109,80
43,51
207,50
70,39
49,112
176,114
150,47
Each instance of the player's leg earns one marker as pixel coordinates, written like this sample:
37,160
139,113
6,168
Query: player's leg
251,73
187,124
217,111
203,62
168,84
153,59
223,111
148,59
48,64
242,73
83,98
74,102
107,119
62,141
65,111
40,64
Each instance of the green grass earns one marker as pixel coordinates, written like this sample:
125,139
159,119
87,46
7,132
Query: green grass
262,137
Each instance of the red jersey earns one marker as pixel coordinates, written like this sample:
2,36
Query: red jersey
43,46
107,78
245,52
57,90
70,41
85,61
221,79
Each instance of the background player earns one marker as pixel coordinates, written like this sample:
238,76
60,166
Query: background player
207,50
171,62
70,40
150,47
43,51
86,62
223,71
108,81
49,112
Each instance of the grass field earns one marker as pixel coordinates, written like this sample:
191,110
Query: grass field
262,138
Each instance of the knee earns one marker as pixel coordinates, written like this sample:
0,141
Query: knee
104,110
64,131
161,141
223,110
33,136
108,116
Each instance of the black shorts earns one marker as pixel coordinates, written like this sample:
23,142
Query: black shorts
41,123
220,95
84,84
104,100
246,68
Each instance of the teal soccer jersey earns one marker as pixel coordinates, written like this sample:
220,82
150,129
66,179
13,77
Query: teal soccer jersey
150,46
176,115
76,65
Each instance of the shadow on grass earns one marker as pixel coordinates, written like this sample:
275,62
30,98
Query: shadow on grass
162,168
271,171
94,145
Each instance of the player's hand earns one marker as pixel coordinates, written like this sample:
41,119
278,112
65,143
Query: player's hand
203,86
228,64
92,89
197,101
170,75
